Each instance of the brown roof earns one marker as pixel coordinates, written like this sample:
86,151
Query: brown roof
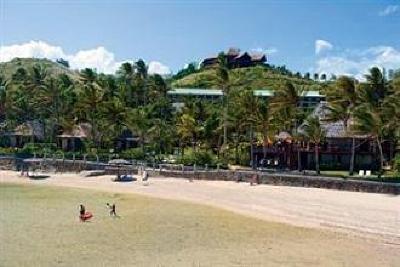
81,130
29,128
332,129
257,56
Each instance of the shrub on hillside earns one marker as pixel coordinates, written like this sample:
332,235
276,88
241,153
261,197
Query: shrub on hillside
397,163
38,148
200,158
133,153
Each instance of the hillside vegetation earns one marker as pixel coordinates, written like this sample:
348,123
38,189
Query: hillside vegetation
7,69
253,77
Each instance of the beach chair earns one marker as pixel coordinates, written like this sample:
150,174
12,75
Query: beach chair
368,173
361,173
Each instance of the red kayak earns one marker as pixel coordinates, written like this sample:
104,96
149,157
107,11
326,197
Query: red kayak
86,216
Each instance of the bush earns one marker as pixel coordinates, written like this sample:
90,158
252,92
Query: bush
397,163
38,148
200,158
133,153
7,150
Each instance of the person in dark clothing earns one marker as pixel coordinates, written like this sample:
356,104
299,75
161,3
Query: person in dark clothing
82,211
112,209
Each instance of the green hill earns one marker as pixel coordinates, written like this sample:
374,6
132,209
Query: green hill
253,77
7,69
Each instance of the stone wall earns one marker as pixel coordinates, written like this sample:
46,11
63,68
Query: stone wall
290,180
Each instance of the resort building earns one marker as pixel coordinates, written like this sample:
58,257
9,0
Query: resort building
236,59
73,139
335,152
309,99
28,132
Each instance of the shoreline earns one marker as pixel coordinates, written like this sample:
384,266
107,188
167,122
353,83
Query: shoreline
366,215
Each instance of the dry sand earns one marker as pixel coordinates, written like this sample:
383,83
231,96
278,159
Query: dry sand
373,216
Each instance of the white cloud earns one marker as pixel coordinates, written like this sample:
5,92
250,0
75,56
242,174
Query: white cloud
36,49
357,62
99,58
321,45
389,10
156,67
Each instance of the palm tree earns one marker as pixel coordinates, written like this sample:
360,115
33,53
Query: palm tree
313,131
223,82
3,98
372,121
90,97
157,87
137,122
343,99
125,76
141,81
113,112
186,129
375,115
285,106
376,82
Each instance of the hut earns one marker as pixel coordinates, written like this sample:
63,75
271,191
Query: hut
73,139
27,132
336,150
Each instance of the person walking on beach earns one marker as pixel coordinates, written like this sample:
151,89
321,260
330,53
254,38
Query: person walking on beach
112,209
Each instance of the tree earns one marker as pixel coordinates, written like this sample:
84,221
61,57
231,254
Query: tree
313,131
137,122
157,87
90,97
323,76
3,98
113,112
125,76
187,130
316,76
63,62
376,81
223,82
141,81
285,107
343,99
376,113
371,121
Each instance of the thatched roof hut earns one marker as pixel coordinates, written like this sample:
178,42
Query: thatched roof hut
28,129
335,129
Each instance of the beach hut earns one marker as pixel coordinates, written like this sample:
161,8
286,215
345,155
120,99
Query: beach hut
28,132
72,139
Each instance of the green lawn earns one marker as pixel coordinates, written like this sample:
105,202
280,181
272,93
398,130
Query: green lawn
39,226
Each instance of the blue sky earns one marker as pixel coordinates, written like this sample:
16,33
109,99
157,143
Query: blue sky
341,37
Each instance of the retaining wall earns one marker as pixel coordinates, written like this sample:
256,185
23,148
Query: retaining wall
290,180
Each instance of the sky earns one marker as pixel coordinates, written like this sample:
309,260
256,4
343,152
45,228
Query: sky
332,37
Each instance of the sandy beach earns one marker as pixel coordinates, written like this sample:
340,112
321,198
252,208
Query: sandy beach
371,216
